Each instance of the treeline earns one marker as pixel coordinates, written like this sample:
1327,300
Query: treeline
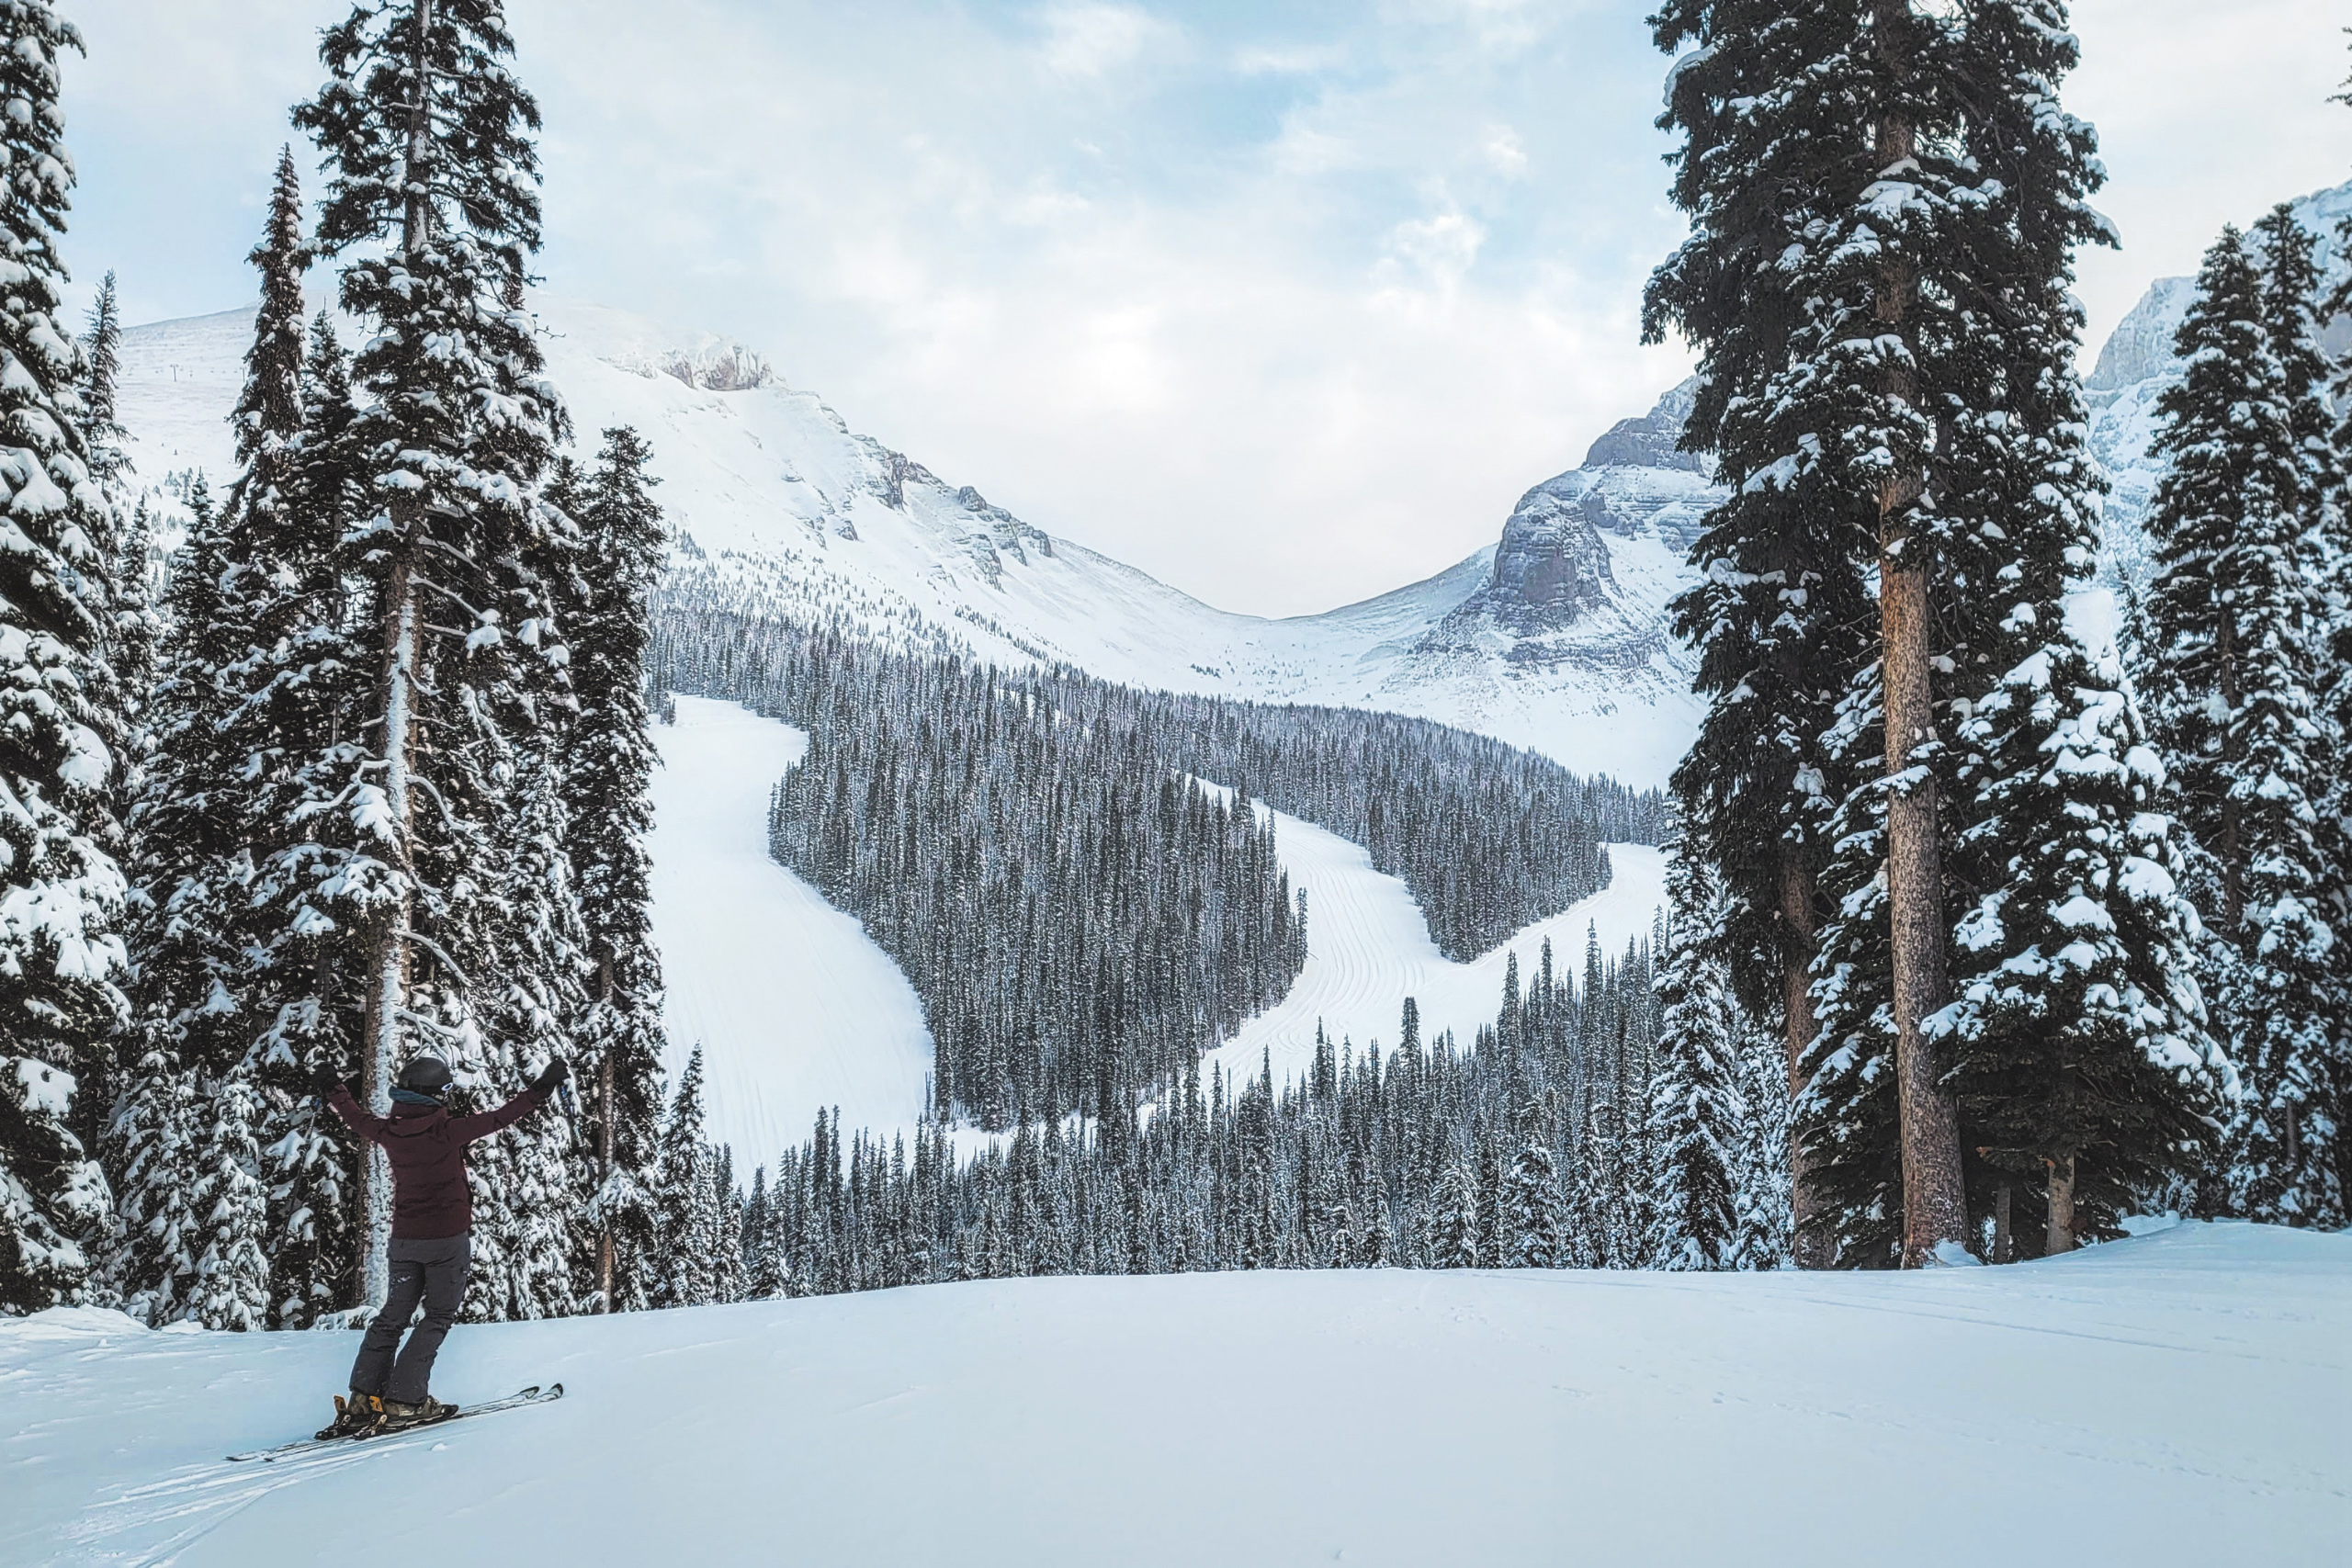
1489,838
1551,1141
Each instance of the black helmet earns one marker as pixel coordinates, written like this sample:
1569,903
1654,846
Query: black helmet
426,1075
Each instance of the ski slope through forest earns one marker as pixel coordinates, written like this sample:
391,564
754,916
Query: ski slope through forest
793,1008
797,1008
2165,1400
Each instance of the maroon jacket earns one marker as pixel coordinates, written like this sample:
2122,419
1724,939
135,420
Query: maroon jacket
427,1149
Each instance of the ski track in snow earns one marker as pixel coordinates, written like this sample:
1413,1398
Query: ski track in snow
2181,1398
797,1008
793,1006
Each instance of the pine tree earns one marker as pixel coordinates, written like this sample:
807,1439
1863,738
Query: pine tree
60,710
1694,1109
1533,1223
232,1213
251,676
1454,1222
193,1026
2335,542
1761,1200
101,420
156,1145
1780,617
2232,621
295,689
433,202
686,1266
610,768
1605,1232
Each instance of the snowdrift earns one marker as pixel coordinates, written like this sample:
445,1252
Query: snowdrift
2181,1398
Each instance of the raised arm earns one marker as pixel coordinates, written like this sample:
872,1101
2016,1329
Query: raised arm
364,1123
465,1129
481,1125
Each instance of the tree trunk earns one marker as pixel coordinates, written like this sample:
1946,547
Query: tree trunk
2062,1207
389,967
389,971
1934,1203
1809,1247
605,1149
2001,1239
416,215
2233,849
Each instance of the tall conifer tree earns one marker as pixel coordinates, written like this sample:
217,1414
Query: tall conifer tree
1780,617
608,774
1694,1109
433,197
61,956
2233,623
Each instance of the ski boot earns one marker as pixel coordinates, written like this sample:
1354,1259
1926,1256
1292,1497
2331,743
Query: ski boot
356,1415
399,1418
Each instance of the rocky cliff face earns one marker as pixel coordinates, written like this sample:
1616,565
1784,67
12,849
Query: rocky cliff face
1556,571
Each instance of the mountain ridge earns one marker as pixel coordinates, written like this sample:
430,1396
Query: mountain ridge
777,507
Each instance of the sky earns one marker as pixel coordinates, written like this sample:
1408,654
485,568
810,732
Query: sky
1285,301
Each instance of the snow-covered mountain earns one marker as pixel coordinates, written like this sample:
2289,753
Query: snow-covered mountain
1555,638
2137,365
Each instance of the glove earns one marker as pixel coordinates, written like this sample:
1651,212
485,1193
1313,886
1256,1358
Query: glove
554,1073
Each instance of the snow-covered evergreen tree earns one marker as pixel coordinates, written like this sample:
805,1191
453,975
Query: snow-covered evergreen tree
1695,1113
1781,616
1534,1221
1606,1220
686,1266
156,1145
2234,622
101,390
301,679
230,1211
1760,1201
609,767
432,199
175,1136
60,955
1453,1221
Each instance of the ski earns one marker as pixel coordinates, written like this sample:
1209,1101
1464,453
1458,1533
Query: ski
515,1401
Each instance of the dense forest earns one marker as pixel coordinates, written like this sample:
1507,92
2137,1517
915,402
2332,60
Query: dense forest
1066,869
1547,1143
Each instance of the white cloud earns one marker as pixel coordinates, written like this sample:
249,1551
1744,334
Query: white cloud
1288,309
1504,152
1442,247
1091,40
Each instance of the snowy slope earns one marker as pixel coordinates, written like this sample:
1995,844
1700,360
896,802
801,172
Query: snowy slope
794,1008
2183,1398
797,1008
781,507
1368,948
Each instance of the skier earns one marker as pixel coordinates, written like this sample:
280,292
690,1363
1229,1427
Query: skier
432,1245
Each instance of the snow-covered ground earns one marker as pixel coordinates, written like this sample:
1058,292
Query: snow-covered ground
2183,1398
793,1006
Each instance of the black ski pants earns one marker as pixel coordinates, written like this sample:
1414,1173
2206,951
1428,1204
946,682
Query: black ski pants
431,1271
